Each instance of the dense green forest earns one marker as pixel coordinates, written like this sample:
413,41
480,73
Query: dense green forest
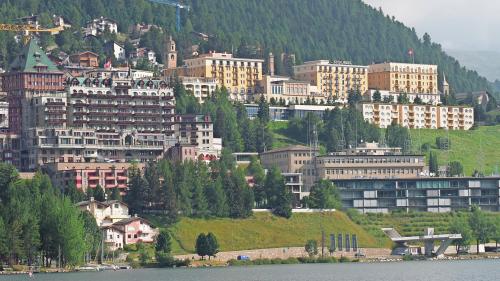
39,225
320,29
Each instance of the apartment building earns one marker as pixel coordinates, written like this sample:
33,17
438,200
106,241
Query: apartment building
420,194
291,91
403,77
335,80
90,175
197,130
202,88
369,160
293,159
240,76
418,116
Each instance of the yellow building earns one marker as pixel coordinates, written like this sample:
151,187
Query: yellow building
240,76
335,79
403,77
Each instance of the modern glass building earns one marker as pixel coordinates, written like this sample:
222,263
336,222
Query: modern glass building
420,194
276,113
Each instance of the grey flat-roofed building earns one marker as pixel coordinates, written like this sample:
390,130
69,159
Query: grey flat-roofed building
420,194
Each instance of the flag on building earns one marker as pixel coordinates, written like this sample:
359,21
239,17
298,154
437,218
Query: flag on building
108,65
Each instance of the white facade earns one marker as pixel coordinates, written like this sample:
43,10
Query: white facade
99,25
105,213
433,99
202,88
118,51
151,56
113,238
419,116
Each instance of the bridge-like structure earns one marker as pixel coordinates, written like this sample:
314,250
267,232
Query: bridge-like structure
429,238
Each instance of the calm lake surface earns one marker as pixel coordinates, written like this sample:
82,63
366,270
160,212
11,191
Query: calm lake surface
477,270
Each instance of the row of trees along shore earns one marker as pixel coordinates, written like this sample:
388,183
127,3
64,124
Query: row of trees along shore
40,225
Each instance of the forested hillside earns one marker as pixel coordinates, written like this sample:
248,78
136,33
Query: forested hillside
319,29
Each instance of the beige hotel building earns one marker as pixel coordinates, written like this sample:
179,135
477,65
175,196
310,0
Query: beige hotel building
403,77
240,76
333,79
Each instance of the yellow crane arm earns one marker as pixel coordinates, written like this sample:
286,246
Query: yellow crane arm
29,28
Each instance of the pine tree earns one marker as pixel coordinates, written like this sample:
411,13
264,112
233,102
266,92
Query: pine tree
256,170
135,196
151,190
324,195
279,197
198,200
115,194
76,195
201,245
163,242
99,194
212,245
263,112
433,163
216,198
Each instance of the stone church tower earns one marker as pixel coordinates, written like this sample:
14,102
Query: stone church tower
170,54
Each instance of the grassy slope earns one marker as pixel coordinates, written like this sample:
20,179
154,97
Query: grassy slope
468,147
264,230
278,129
409,224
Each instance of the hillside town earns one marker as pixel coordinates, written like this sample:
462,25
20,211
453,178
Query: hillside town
114,132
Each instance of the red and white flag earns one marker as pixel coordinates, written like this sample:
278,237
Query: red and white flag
410,52
108,65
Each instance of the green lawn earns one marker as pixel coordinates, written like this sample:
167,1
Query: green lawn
264,230
280,139
475,149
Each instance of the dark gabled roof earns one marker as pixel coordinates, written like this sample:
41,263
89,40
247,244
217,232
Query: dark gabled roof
85,203
129,220
32,58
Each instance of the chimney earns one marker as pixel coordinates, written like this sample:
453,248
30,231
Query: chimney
271,64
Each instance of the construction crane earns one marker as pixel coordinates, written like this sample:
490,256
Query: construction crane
28,29
178,6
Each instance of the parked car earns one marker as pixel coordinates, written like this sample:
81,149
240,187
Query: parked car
243,258
359,255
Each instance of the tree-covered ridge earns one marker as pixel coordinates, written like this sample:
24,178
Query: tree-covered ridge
320,29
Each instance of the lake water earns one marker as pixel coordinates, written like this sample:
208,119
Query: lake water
473,270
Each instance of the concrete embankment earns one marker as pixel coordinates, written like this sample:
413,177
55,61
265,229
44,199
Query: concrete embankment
288,252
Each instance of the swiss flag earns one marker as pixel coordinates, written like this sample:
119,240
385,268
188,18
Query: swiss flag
410,52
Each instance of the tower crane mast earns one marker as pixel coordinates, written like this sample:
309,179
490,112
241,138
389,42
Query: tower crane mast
178,6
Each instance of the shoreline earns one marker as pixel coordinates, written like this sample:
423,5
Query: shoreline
260,262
